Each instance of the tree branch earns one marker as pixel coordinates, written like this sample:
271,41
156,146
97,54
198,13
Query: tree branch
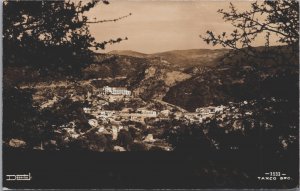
109,20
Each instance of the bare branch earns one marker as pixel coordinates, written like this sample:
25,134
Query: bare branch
109,20
281,18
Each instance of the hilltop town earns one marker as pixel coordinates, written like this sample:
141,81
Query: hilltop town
117,119
126,103
115,111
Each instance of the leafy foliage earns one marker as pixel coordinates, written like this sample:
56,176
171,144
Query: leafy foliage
49,35
20,118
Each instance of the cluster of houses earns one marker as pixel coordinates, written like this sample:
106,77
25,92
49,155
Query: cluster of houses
203,113
140,114
114,116
117,117
210,110
112,121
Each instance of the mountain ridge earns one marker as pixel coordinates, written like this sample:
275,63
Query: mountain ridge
123,52
127,53
180,58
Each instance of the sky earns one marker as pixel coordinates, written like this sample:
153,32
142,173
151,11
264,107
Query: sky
161,25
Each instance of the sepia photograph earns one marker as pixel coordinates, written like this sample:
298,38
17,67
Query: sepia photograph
150,94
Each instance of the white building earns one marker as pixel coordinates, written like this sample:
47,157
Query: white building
145,112
206,110
87,110
220,108
116,91
139,116
105,114
210,109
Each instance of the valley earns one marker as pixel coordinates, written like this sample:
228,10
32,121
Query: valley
168,94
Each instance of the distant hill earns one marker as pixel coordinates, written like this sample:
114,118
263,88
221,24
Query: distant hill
181,58
127,53
192,57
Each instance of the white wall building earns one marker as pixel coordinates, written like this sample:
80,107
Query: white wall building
116,91
194,117
146,112
210,109
206,110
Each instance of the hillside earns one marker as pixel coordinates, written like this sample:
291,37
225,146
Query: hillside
195,78
238,78
147,77
192,57
187,78
180,59
127,53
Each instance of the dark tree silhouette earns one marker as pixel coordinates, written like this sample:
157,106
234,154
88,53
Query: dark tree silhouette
279,19
50,35
47,36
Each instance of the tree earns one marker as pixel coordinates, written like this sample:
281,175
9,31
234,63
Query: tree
270,18
50,35
20,119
